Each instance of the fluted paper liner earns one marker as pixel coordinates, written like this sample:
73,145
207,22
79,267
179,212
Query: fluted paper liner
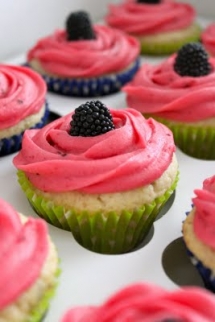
109,233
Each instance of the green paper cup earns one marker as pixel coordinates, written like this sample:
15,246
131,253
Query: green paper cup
170,42
193,140
108,233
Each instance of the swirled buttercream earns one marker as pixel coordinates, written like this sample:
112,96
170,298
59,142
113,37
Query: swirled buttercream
149,303
112,51
23,250
22,93
208,38
160,91
146,19
204,219
136,153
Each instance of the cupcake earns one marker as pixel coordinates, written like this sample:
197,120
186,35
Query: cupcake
180,92
22,105
198,232
149,303
85,60
29,267
208,39
161,26
102,174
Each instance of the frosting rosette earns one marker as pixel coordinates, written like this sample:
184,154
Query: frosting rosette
204,220
161,92
149,303
146,19
111,52
22,93
22,246
208,38
134,154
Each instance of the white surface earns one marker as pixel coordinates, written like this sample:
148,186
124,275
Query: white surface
88,278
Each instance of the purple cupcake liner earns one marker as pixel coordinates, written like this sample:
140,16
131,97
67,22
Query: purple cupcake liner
13,144
93,87
206,273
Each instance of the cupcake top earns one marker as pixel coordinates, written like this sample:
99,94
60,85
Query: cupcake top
204,219
149,303
22,246
132,153
181,88
143,19
22,93
100,51
208,39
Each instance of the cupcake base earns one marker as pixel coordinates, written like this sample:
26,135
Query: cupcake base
91,87
108,233
170,42
13,143
193,140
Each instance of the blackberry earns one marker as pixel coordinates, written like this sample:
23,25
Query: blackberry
149,1
192,60
79,26
91,119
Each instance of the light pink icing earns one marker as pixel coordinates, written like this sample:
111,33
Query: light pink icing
23,250
22,93
143,19
204,219
149,303
111,52
160,91
208,38
136,153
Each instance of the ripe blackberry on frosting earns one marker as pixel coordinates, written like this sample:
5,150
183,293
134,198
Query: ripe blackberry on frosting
180,92
85,59
102,174
161,26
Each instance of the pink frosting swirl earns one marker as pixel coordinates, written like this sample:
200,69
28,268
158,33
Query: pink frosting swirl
160,91
208,39
23,250
204,219
22,93
149,303
146,19
136,153
111,52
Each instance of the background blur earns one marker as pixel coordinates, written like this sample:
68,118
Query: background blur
22,22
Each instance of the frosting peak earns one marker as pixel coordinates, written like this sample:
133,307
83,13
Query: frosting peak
23,249
22,93
111,52
149,303
142,19
204,219
136,153
160,91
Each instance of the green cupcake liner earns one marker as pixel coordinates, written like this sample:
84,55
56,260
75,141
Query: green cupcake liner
168,43
108,233
39,312
195,141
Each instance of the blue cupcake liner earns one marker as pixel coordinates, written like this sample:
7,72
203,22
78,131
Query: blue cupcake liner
206,273
13,143
92,87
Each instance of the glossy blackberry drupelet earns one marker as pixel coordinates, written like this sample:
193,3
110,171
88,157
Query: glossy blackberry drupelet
79,27
149,1
192,60
91,119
